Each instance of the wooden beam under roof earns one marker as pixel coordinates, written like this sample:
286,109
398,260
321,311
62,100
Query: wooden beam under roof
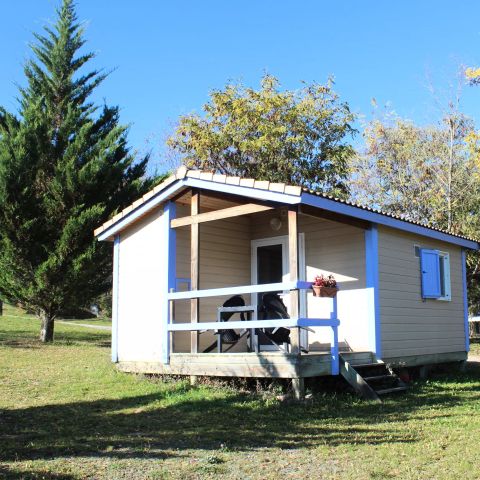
194,269
294,271
298,384
236,211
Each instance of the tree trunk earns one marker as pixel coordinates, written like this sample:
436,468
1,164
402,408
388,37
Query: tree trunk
46,330
450,174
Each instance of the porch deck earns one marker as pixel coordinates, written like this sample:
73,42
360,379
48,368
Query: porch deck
264,364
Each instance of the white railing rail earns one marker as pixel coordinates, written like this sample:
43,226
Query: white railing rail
244,289
250,324
331,322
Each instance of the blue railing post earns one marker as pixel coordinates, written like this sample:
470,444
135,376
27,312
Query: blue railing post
169,238
334,344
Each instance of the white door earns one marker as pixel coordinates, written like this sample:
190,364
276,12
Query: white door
270,264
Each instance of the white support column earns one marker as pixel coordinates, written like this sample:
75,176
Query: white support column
372,285
465,300
115,285
169,277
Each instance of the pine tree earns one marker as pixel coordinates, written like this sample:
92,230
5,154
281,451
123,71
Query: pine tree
65,168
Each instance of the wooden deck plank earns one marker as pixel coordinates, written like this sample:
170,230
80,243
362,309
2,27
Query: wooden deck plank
268,365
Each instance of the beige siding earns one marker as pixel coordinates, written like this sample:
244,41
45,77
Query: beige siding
410,325
330,248
224,262
338,249
141,259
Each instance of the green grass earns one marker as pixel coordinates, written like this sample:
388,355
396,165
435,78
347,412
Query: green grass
475,347
66,413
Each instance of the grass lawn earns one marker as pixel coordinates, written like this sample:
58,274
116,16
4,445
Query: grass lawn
66,413
475,347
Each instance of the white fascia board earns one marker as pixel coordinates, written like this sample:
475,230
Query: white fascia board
142,210
257,193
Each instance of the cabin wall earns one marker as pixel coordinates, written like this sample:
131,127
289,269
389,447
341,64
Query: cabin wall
411,326
330,248
338,249
224,262
140,260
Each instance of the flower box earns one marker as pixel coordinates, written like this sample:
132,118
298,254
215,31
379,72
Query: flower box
325,286
329,292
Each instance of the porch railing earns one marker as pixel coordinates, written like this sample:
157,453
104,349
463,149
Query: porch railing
299,322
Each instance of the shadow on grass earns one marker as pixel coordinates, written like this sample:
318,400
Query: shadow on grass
16,474
167,423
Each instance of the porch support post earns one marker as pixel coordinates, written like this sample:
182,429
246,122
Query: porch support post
293,260
194,272
115,284
170,239
372,287
298,387
465,300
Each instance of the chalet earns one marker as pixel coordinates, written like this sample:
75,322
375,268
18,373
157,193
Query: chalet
197,258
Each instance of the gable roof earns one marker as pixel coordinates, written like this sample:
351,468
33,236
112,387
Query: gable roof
184,178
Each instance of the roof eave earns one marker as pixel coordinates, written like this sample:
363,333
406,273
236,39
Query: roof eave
175,183
156,200
382,219
189,182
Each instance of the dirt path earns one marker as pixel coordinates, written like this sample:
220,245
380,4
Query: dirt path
86,325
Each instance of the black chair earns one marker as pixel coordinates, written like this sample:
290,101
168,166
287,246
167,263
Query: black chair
229,337
272,307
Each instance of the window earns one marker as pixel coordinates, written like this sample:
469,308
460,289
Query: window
446,293
435,273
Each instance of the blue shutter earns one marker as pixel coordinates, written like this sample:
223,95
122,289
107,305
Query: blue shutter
430,268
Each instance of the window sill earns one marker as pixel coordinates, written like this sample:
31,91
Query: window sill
444,299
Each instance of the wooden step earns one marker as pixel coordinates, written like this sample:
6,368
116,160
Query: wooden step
390,390
370,380
378,377
367,365
372,370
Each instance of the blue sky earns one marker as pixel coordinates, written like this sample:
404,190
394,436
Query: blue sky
167,56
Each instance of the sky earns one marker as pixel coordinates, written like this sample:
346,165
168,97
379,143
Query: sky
166,56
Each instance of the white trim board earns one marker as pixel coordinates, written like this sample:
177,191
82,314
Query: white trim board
283,240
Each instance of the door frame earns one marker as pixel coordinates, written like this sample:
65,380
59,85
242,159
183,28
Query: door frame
283,240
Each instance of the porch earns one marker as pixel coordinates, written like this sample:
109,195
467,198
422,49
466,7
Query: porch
216,241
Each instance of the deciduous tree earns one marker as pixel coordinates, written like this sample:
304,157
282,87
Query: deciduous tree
429,174
425,173
300,137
